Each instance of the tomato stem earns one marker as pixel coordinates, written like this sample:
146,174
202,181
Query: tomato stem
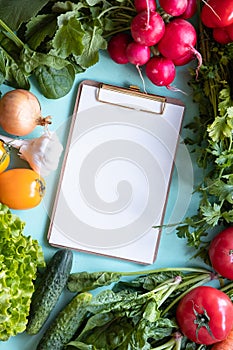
202,320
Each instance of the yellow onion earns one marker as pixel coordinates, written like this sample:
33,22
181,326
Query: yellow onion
20,112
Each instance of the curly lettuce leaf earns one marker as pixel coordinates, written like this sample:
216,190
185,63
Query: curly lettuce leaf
20,256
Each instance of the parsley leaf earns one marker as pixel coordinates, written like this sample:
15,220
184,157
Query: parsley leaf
212,143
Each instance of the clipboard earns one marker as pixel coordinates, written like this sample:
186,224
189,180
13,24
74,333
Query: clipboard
116,172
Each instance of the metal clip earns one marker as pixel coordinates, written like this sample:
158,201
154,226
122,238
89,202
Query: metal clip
154,104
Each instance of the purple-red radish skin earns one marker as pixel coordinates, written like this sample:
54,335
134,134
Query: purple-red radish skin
117,47
181,61
221,35
161,71
147,32
138,54
141,5
179,38
174,7
191,9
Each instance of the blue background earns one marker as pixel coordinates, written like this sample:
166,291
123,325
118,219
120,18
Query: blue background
173,251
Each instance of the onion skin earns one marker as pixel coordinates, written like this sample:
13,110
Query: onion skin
20,112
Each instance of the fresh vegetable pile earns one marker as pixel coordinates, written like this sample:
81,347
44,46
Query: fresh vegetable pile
211,139
62,38
167,308
65,37
164,308
20,113
20,258
160,38
57,41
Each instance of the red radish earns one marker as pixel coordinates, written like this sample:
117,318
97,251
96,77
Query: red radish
179,39
216,13
161,71
191,9
142,5
137,54
174,7
221,35
117,47
181,61
147,28
229,30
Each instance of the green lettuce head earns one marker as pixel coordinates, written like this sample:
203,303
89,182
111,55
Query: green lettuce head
20,256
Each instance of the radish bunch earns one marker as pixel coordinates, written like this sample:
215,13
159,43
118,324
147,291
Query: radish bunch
218,16
160,38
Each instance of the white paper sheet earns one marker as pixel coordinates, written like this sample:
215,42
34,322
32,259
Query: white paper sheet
116,177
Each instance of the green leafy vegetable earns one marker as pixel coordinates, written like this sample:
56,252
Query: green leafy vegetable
135,314
212,143
20,256
15,12
57,41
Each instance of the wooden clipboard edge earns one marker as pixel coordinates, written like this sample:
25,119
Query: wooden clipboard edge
94,83
130,89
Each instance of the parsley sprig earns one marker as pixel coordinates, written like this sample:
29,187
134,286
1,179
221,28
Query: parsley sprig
211,141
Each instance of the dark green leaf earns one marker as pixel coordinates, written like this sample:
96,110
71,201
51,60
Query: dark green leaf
30,60
107,301
39,28
145,283
2,67
84,281
93,42
15,76
55,83
11,74
71,29
106,331
15,12
80,345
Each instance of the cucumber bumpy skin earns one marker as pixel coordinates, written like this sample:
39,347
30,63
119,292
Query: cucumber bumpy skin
66,323
49,290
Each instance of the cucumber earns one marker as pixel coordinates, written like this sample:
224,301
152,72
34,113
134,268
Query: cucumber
49,289
66,324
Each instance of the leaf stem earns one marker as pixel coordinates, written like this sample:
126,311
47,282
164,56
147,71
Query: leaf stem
11,35
200,283
173,343
170,291
114,8
165,269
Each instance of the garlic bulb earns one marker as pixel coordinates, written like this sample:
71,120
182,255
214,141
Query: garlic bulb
42,153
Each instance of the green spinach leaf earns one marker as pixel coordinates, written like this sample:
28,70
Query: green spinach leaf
16,12
55,83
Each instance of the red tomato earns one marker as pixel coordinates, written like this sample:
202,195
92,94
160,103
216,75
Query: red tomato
205,315
221,253
217,13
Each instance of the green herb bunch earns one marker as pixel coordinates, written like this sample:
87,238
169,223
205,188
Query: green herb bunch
211,142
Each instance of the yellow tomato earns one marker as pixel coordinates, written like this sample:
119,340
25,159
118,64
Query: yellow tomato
21,188
4,156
